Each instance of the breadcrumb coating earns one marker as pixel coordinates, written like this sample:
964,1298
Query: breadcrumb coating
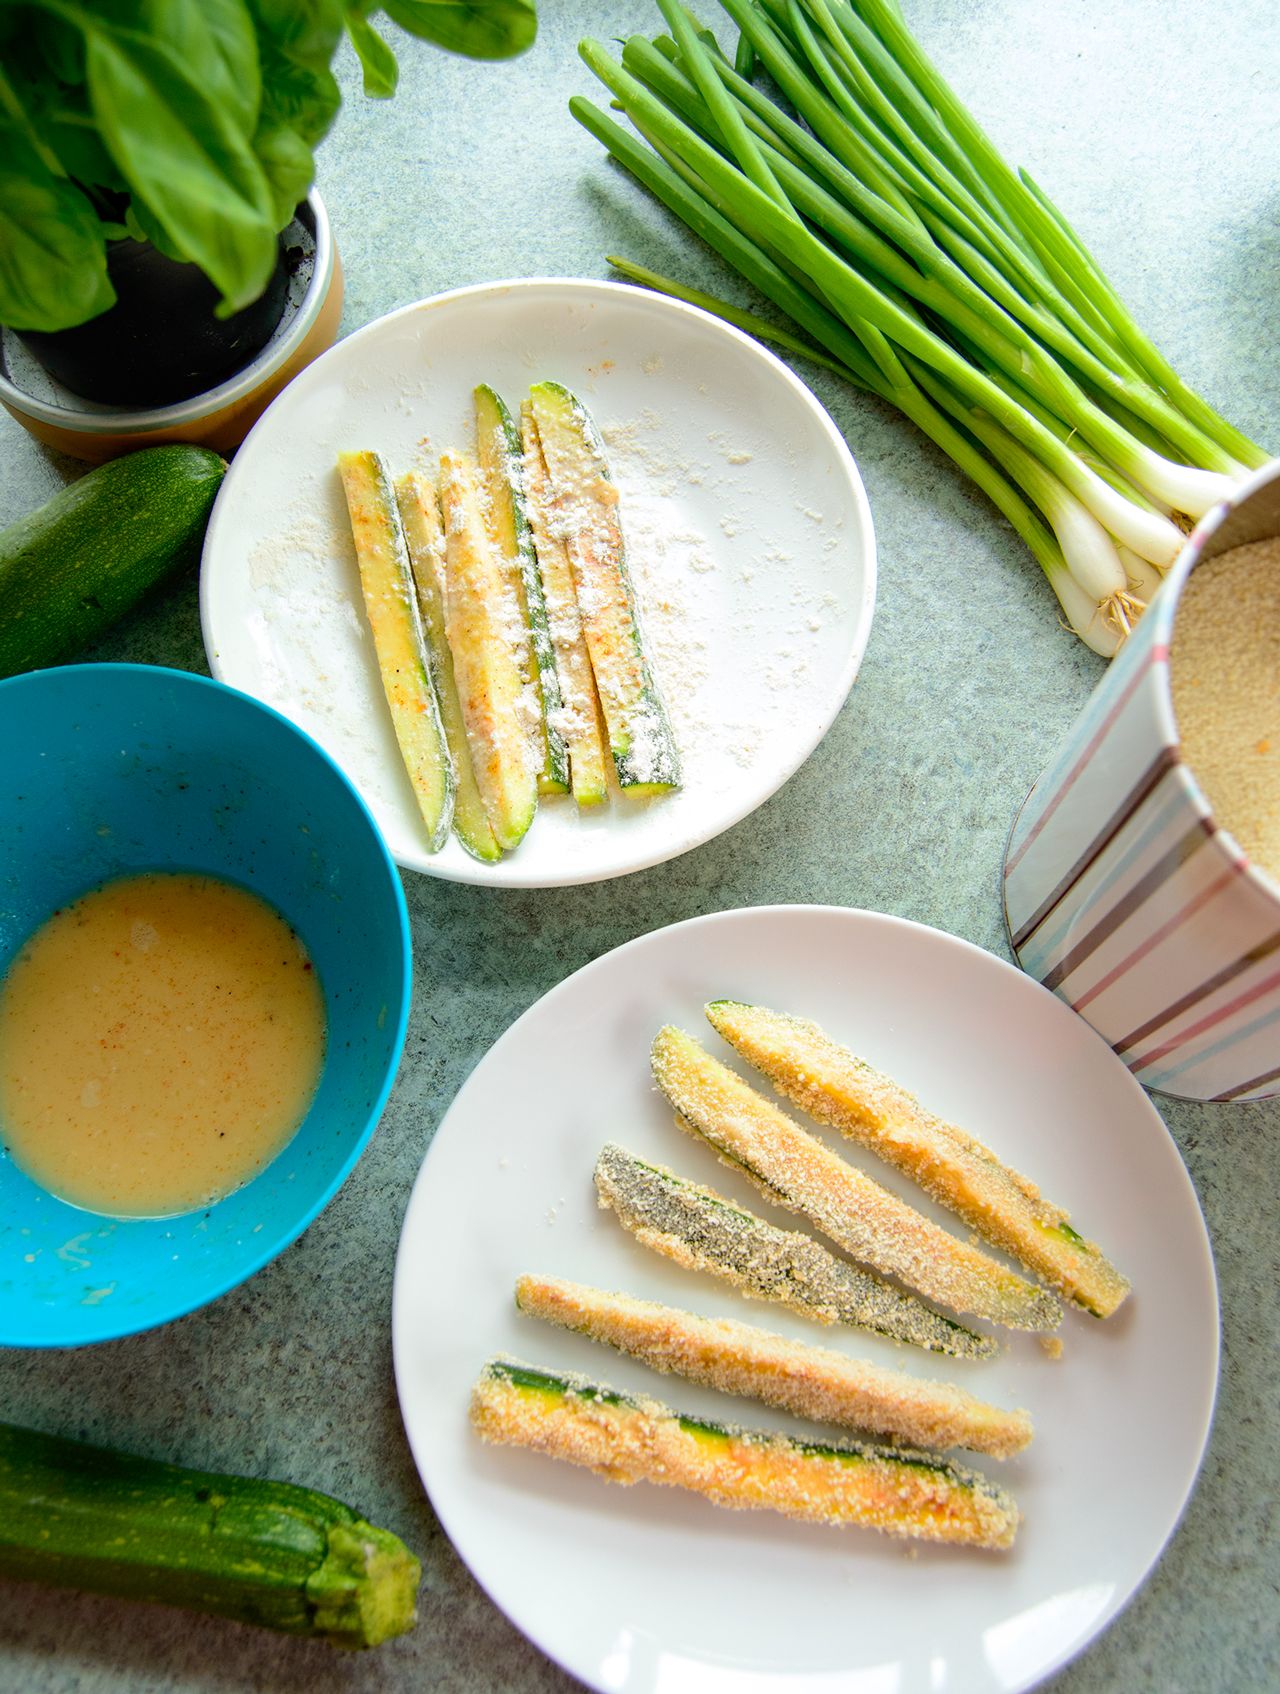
796,1170
813,1382
700,1230
626,1440
836,1087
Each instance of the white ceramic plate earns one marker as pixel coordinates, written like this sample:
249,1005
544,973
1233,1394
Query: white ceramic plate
648,1589
749,538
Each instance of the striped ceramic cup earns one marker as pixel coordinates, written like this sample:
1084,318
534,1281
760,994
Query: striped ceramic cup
1122,893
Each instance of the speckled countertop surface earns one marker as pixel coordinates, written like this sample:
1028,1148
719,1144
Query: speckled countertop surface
1156,127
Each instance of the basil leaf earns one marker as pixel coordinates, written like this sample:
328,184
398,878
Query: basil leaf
17,101
296,42
59,48
139,223
61,126
288,165
300,96
42,88
184,157
73,135
216,40
303,33
381,72
481,29
53,258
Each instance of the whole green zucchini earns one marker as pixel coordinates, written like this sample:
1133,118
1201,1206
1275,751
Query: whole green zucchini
69,569
268,1553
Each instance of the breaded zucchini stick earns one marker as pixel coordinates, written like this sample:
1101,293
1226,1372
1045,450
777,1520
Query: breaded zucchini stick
702,1231
796,1170
629,1440
837,1088
812,1382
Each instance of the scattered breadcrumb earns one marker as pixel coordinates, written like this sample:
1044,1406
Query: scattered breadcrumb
1224,671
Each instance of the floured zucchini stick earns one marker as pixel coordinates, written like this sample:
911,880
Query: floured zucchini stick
481,617
404,663
796,1170
702,1231
420,517
586,515
837,1088
499,456
626,1440
580,713
812,1382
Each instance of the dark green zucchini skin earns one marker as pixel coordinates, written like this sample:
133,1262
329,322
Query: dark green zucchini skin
75,565
268,1553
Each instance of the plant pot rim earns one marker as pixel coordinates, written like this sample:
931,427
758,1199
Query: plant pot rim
88,418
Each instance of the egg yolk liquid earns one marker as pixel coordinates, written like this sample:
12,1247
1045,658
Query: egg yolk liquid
161,1039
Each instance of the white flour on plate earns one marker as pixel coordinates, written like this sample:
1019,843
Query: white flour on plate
698,594
686,582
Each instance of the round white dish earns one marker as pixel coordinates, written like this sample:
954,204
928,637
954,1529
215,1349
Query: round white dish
749,538
645,1590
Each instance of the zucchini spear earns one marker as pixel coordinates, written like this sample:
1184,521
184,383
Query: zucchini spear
580,711
502,475
586,513
627,1440
699,1229
420,518
267,1553
812,1382
386,582
837,1088
481,616
796,1170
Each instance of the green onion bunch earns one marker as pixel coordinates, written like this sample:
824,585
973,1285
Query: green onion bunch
866,203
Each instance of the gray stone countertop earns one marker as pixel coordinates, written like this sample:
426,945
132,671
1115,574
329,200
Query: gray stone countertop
1155,126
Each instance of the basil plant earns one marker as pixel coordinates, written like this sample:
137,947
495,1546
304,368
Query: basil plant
191,124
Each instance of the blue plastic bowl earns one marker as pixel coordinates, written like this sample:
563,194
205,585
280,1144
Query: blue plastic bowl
114,769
